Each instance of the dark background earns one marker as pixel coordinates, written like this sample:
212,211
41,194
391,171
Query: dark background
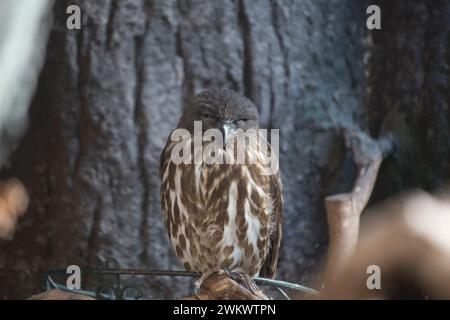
110,93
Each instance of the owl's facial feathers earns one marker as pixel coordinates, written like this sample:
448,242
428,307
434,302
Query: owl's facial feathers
216,107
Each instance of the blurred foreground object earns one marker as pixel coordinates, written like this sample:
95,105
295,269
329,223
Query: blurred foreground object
57,294
24,29
406,245
13,204
409,240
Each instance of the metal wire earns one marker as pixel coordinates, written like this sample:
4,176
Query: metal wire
280,283
116,291
284,294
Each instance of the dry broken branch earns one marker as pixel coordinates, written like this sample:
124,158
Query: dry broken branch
344,210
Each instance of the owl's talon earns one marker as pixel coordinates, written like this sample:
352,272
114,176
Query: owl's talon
197,286
245,280
225,271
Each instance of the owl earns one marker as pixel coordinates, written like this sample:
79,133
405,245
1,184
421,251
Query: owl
223,215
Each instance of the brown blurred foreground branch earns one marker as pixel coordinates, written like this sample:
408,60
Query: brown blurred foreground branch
408,241
406,244
13,204
57,294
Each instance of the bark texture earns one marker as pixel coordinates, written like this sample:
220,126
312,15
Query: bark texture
409,93
110,94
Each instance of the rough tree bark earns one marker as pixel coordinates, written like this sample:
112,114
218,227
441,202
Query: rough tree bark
110,93
409,93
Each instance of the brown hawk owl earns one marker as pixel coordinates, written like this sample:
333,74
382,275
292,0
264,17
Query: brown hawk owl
222,216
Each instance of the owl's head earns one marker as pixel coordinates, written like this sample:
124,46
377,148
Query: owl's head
221,109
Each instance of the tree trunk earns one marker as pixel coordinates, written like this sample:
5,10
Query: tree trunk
409,93
111,92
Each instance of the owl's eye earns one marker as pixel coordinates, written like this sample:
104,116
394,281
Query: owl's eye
242,121
208,116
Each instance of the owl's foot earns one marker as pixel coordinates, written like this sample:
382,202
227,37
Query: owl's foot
208,274
245,280
238,275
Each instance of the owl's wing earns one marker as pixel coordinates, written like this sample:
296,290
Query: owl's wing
163,158
269,267
165,184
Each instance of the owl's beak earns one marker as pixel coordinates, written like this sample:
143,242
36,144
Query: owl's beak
227,129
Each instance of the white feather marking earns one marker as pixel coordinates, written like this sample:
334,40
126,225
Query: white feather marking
253,225
229,232
198,174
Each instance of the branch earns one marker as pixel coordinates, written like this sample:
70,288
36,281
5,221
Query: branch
344,210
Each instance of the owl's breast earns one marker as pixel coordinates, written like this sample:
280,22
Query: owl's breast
238,216
218,215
